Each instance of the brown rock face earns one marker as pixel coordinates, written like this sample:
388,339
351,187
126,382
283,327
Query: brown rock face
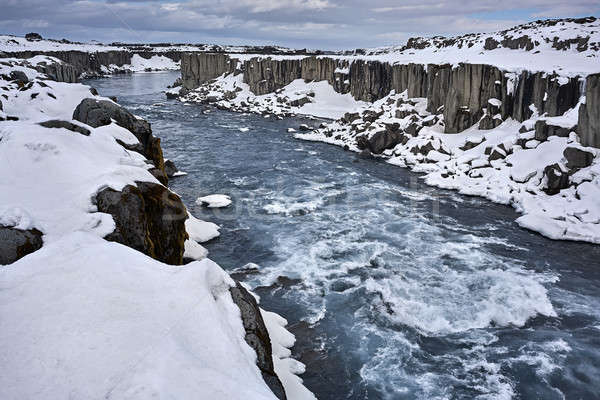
257,337
149,218
17,243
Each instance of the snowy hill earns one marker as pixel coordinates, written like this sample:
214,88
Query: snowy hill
567,46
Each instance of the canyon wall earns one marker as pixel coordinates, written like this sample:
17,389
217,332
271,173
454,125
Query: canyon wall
466,94
198,68
90,63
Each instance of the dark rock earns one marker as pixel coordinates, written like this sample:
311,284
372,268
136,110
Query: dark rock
149,218
304,128
16,243
257,337
57,123
491,44
379,141
589,114
371,116
471,145
33,36
496,154
350,117
578,158
19,77
300,102
413,129
556,179
523,42
93,91
170,168
543,130
101,112
113,98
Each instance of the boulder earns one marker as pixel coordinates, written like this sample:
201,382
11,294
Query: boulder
371,116
17,243
379,141
149,218
543,130
57,123
556,179
350,117
578,158
257,337
300,102
101,112
170,168
19,77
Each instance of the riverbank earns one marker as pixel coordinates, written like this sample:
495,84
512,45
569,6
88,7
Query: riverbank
96,298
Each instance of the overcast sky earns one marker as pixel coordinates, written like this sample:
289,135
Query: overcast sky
328,24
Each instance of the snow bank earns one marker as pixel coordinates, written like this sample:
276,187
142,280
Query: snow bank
86,318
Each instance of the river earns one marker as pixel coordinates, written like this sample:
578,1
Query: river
395,290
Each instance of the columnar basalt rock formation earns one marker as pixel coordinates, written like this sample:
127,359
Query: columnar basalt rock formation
197,68
467,94
589,113
267,75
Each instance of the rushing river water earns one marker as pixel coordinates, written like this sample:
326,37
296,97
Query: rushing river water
395,290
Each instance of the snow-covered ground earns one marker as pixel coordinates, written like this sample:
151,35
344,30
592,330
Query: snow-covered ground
83,317
541,57
317,99
141,64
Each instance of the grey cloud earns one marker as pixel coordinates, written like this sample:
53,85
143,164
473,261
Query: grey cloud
296,23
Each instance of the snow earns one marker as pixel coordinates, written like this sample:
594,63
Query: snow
154,63
214,201
85,318
201,231
543,57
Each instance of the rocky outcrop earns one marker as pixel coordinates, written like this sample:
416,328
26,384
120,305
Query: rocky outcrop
257,337
467,94
268,75
57,123
102,112
589,113
543,130
17,243
149,218
59,71
197,68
